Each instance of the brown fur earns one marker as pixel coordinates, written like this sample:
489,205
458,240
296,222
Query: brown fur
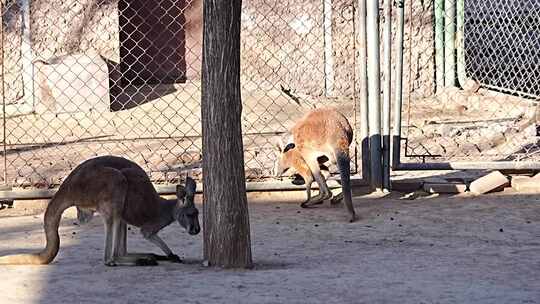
321,132
122,193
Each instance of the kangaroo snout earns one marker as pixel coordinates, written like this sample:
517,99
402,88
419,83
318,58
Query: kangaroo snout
194,230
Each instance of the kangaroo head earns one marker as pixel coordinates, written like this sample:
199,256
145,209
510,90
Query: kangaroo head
284,158
186,213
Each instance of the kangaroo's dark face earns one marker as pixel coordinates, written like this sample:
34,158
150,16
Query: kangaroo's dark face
188,218
283,159
187,214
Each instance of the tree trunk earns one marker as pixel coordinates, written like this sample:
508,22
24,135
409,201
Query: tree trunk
226,220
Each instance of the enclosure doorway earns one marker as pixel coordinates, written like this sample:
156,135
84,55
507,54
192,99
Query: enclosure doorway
152,41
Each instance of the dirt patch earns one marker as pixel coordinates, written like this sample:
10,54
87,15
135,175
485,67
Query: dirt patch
432,250
22,208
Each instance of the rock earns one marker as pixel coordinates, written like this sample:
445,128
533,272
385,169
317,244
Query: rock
526,184
73,83
491,182
445,188
471,85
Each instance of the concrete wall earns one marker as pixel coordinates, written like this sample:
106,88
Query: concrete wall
281,44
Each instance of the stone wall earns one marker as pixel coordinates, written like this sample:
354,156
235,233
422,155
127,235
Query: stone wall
281,44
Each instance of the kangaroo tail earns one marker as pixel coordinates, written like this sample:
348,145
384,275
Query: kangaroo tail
344,165
52,218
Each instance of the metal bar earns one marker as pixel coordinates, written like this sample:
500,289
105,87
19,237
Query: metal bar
355,92
328,49
486,165
88,140
362,72
387,93
439,43
449,43
510,91
373,72
27,55
398,98
460,36
171,189
4,139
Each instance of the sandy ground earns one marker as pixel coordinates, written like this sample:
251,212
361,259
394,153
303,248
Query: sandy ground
429,250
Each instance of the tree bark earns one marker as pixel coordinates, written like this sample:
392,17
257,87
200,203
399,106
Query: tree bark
226,219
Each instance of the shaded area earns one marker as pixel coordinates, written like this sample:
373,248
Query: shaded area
431,250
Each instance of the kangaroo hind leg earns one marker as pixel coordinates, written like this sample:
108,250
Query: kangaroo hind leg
324,192
111,197
336,199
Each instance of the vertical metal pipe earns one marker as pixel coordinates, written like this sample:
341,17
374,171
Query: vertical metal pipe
387,36
373,72
439,43
398,97
460,38
4,136
449,43
328,49
363,96
27,55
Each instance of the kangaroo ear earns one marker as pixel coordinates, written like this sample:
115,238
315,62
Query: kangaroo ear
288,147
191,186
180,192
278,144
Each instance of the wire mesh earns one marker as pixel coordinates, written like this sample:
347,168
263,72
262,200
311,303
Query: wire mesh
470,80
85,78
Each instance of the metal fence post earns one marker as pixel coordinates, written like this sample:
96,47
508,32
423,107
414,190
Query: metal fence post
373,72
27,56
449,43
396,130
364,109
387,36
2,75
328,49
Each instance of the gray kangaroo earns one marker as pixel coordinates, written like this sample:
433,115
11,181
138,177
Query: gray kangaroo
122,193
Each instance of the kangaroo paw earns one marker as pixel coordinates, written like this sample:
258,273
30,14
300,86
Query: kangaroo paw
312,202
336,199
327,196
171,258
110,264
146,262
298,180
174,258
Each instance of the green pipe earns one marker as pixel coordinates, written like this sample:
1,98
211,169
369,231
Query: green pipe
439,43
450,43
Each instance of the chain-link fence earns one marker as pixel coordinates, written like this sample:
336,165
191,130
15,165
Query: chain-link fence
471,81
82,78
